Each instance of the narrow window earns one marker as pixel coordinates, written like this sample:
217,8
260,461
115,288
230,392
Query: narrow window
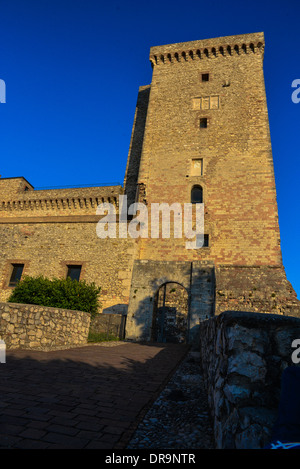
74,272
205,76
196,195
16,274
203,123
206,241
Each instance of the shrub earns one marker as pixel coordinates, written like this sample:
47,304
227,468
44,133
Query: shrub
57,293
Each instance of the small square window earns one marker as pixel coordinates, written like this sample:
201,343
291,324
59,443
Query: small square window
203,123
16,274
205,76
74,272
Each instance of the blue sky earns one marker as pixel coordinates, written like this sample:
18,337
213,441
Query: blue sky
72,69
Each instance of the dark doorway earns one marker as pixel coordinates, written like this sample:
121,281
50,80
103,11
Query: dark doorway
170,314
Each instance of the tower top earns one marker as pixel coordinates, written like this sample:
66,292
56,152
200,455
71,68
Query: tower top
208,48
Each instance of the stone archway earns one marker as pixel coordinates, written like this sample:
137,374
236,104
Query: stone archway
170,314
197,279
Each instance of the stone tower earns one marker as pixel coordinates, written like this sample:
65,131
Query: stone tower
201,132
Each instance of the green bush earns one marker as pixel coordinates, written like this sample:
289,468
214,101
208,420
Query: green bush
57,293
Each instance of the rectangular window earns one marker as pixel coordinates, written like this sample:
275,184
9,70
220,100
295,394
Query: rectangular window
206,241
205,76
203,123
17,270
74,272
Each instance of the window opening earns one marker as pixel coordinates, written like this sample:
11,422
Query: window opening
197,195
74,272
16,274
203,123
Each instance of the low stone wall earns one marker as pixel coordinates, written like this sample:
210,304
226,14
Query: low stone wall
243,355
42,328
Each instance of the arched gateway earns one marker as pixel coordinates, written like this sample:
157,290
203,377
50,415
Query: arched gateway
170,314
168,299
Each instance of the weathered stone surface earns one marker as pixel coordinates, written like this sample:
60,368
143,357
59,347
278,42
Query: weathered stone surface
39,327
247,364
243,355
248,339
283,339
235,393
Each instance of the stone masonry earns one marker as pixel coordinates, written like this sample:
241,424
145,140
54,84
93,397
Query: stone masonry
243,355
42,328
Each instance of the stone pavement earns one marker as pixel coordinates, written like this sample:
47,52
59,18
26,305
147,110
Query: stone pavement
87,397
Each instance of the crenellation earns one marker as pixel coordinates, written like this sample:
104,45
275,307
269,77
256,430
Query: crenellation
33,203
183,53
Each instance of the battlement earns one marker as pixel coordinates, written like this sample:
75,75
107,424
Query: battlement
226,46
18,198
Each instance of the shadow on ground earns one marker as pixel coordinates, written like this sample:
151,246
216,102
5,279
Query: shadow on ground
87,397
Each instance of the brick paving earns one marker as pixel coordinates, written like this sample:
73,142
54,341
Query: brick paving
89,397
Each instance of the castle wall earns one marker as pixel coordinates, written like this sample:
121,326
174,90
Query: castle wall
261,289
48,230
16,202
136,144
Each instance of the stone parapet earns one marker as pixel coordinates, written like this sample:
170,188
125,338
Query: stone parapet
243,355
208,48
15,202
24,326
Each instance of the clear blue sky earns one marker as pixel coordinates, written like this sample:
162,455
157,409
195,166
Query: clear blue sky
73,67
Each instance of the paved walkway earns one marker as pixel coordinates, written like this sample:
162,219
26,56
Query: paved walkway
87,397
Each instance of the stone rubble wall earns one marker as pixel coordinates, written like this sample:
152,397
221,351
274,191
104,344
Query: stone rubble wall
243,355
24,326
